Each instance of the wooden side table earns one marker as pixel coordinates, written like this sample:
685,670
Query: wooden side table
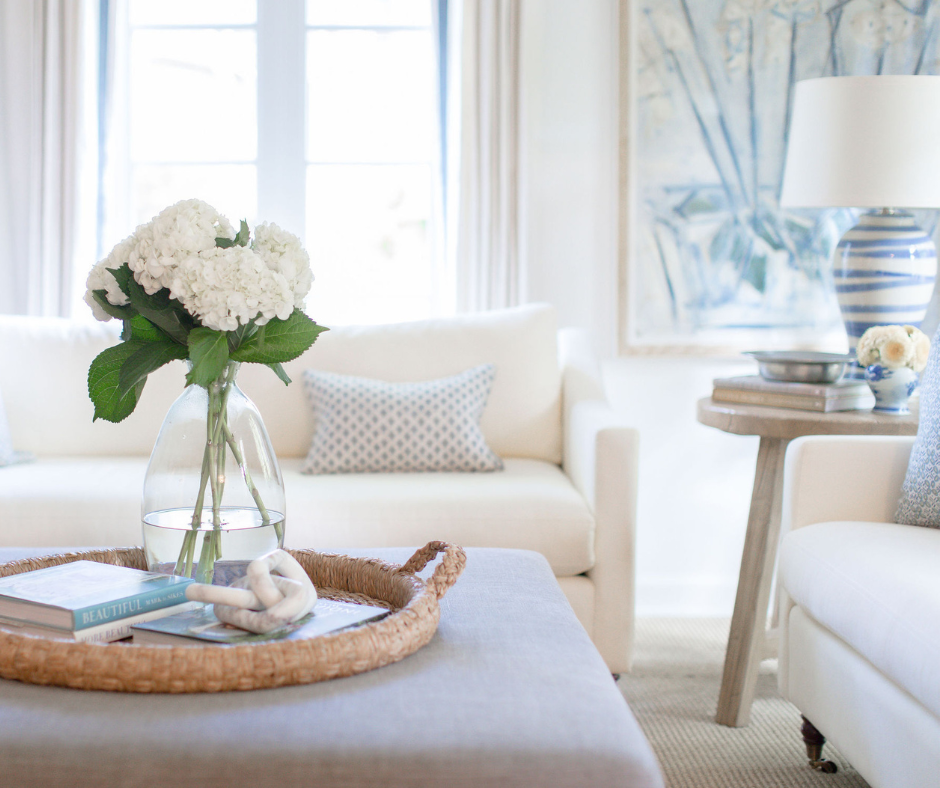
776,428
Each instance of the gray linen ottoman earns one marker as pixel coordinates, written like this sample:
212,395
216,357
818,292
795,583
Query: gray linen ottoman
510,692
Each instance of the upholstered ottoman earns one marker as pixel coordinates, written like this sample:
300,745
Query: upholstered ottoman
510,692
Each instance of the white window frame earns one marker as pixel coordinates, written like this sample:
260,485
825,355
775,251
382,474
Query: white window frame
281,161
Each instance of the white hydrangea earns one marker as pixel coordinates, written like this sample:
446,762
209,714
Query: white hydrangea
101,278
223,288
188,227
283,252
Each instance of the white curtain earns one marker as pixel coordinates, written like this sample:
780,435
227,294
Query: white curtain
42,68
486,204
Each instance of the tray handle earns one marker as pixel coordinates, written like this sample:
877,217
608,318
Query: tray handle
447,572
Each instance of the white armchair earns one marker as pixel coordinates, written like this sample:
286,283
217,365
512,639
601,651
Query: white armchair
860,611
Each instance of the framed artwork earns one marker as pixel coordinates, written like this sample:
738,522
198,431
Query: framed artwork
708,257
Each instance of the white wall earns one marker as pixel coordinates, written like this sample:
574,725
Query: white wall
695,482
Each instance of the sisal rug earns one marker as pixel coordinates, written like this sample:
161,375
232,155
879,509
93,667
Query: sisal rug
673,691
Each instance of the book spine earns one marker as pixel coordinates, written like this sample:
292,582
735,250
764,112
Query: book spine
118,630
769,386
797,402
756,383
164,596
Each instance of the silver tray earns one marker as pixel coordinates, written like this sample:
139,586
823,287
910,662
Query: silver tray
800,366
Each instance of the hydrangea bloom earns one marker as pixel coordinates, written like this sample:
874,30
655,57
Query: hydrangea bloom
221,287
282,252
185,228
101,278
227,287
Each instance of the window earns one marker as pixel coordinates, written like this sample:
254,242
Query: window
319,116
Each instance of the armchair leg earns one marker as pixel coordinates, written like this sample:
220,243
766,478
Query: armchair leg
814,741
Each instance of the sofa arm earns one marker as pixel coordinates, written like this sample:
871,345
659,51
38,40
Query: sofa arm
842,477
601,457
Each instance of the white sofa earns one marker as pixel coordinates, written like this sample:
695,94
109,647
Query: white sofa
568,489
860,610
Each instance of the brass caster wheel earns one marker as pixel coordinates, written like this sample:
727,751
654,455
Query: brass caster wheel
814,742
827,767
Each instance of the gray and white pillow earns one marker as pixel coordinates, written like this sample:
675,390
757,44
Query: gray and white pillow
365,425
920,494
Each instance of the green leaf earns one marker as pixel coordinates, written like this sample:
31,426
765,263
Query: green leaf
120,312
138,327
279,340
237,337
243,234
208,350
104,381
149,357
164,312
279,371
224,243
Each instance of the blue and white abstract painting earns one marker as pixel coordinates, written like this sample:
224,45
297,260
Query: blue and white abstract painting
715,260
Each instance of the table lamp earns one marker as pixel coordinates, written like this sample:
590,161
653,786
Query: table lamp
871,142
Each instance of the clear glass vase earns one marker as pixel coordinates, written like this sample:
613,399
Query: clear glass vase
213,493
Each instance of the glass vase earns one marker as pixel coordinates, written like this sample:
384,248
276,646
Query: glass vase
213,493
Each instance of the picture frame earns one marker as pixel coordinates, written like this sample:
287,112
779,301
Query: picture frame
708,261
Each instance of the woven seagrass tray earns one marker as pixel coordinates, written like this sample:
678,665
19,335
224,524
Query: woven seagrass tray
125,667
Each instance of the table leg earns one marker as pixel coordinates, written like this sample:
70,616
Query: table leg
746,639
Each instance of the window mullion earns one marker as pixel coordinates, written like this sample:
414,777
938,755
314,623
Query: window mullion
281,113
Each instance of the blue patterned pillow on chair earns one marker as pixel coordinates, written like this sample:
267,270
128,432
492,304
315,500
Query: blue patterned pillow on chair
365,425
920,495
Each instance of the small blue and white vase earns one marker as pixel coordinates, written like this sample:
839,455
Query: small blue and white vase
892,388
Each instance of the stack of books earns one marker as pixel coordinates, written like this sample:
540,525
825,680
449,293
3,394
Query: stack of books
822,397
92,602
88,601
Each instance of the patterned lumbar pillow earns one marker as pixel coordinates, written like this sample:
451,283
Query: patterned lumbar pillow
363,425
920,495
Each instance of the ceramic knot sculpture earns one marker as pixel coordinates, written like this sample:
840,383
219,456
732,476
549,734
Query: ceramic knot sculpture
261,602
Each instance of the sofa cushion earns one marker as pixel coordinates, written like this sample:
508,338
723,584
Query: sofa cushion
523,412
91,501
44,378
875,586
522,417
365,425
531,505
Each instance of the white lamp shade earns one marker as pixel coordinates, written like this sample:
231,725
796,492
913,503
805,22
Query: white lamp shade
864,142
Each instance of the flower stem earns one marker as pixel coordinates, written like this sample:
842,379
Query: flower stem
218,437
184,564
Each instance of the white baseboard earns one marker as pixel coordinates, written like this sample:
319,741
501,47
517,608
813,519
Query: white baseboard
685,597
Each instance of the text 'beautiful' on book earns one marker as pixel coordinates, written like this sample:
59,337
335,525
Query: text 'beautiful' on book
82,594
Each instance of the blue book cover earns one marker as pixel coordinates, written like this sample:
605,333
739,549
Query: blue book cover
84,594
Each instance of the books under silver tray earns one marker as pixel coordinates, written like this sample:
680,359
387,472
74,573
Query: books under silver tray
821,397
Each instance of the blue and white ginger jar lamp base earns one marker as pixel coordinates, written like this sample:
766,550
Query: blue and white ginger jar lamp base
884,270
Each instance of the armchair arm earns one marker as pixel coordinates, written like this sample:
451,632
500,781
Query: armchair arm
601,457
843,477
